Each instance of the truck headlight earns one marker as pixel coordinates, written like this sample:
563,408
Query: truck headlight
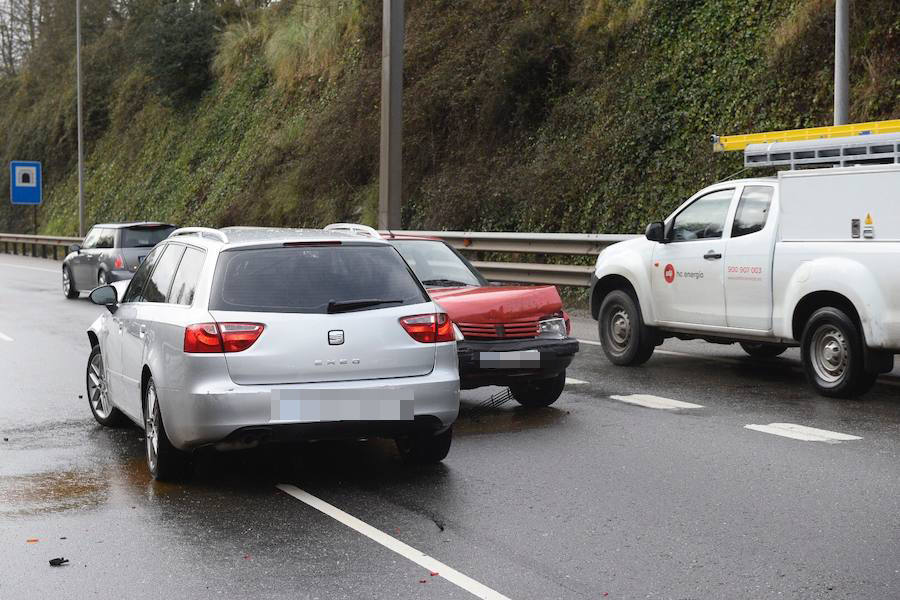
552,328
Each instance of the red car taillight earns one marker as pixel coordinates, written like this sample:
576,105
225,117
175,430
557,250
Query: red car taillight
429,329
221,337
119,263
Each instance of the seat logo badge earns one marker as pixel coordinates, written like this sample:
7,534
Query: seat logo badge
335,337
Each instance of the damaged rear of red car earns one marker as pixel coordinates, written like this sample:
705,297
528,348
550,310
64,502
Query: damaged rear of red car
507,335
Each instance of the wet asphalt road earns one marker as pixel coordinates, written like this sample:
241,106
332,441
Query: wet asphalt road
589,498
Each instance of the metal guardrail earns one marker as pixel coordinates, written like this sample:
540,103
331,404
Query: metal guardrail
36,245
539,245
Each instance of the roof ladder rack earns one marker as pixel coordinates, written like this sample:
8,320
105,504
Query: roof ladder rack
876,149
207,232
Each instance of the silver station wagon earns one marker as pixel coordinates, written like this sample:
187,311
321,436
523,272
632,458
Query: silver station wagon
241,336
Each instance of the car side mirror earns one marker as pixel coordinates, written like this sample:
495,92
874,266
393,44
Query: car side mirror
656,232
106,295
75,248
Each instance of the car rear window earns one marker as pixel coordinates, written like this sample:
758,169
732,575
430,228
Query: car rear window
305,279
145,236
435,263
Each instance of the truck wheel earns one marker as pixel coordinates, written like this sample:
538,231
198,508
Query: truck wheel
426,448
543,392
832,351
761,350
165,461
626,340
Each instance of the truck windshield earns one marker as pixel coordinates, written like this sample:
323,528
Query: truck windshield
313,279
436,264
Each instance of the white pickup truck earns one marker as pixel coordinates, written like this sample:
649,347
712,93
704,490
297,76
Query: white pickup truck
808,258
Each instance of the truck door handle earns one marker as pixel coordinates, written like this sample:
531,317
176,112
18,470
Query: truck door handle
712,255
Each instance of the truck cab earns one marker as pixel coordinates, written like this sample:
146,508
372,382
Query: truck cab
768,263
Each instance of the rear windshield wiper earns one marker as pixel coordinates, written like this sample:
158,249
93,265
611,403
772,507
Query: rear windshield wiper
348,305
445,282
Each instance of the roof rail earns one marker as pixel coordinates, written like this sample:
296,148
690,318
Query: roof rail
208,232
354,229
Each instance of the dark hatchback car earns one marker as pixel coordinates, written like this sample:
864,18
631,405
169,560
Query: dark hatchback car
110,252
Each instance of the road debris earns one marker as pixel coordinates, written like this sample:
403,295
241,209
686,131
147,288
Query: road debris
58,562
494,401
32,541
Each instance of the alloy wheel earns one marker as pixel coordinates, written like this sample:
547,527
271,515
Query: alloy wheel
151,427
97,390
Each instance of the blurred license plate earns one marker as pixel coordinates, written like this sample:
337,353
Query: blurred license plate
315,406
527,359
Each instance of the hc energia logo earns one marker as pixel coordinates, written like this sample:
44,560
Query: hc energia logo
669,273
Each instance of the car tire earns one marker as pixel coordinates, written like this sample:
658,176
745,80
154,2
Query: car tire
102,278
626,340
98,392
542,392
762,350
165,461
426,448
68,284
832,350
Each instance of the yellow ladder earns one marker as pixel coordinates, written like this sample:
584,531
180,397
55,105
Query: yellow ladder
728,143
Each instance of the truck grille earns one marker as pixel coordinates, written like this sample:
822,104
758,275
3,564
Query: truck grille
493,331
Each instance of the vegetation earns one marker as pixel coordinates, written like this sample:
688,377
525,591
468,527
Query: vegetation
543,115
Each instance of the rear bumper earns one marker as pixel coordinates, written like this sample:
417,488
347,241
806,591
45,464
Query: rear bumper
555,357
214,409
119,275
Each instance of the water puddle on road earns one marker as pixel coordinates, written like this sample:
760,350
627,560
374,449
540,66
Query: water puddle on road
50,492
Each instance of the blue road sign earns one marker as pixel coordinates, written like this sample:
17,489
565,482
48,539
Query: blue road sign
25,185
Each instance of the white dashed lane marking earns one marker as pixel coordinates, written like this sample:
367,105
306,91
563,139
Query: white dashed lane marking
649,401
5,338
573,381
803,433
452,575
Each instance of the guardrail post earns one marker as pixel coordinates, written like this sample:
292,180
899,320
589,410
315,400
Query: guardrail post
55,255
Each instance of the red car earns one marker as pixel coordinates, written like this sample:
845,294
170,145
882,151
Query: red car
507,335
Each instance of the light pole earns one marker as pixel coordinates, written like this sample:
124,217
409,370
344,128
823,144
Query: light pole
841,62
80,133
390,170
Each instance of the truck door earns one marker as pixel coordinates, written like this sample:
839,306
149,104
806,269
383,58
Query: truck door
748,260
688,271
